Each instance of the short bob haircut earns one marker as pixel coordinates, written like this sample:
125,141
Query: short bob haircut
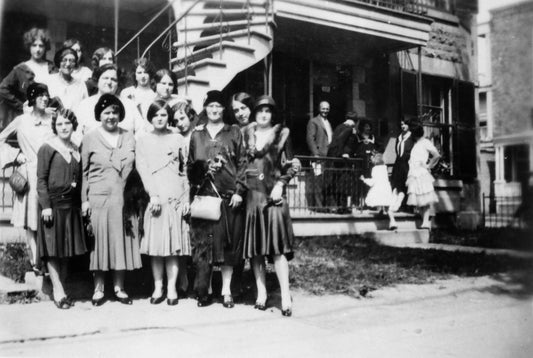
71,42
266,101
148,67
98,54
36,33
158,76
362,122
156,107
377,158
245,99
417,130
65,113
100,71
62,52
184,105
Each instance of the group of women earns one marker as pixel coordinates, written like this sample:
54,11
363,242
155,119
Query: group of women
79,151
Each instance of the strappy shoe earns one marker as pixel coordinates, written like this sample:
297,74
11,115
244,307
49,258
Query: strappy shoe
62,304
228,301
98,300
122,297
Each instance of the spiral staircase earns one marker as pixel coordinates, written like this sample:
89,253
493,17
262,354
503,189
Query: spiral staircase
217,39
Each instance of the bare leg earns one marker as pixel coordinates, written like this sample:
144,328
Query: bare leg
54,268
118,283
227,272
258,265
183,280
99,281
426,223
32,246
157,273
392,220
282,271
172,267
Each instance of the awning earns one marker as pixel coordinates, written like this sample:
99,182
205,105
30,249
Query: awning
347,26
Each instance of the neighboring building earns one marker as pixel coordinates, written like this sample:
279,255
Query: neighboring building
511,44
383,59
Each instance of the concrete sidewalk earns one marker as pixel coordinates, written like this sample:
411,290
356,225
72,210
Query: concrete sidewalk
489,317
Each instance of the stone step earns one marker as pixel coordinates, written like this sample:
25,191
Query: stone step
399,237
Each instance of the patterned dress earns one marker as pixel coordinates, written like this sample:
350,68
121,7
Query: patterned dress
105,171
160,161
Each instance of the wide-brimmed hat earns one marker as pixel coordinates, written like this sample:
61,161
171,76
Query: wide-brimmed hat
105,101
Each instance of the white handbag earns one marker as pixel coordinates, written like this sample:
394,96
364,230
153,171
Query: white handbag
207,207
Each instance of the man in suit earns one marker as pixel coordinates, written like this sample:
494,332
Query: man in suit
319,136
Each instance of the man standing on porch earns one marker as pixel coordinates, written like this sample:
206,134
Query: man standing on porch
319,135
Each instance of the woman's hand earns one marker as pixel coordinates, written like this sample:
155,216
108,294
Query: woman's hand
51,111
277,193
235,201
86,209
21,159
154,206
46,214
186,209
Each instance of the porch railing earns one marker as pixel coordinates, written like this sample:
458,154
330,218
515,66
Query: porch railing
414,6
327,185
504,211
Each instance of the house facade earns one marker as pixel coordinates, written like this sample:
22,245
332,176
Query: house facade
385,60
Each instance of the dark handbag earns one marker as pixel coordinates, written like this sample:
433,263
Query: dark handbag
207,207
18,182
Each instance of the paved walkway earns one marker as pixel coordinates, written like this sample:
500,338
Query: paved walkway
475,317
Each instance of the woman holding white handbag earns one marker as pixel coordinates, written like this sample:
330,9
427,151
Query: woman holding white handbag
216,169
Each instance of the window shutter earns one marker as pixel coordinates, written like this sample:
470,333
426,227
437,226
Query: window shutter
464,151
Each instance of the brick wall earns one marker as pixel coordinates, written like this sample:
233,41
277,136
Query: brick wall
512,68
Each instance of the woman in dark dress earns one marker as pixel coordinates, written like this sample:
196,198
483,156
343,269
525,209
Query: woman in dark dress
60,232
217,158
404,144
268,229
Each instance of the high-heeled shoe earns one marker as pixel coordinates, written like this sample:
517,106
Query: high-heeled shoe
157,300
228,301
286,312
172,301
260,306
62,304
204,301
125,299
98,301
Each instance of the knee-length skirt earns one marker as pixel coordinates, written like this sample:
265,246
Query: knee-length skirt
268,228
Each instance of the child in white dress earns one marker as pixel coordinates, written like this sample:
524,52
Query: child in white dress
380,193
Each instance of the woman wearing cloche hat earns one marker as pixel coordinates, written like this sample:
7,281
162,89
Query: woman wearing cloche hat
268,229
216,164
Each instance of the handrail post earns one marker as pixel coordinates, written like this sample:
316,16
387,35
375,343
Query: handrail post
220,30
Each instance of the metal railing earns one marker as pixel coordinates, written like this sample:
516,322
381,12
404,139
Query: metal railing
327,185
413,6
504,211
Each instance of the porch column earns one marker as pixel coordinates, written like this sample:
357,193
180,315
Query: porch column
311,89
499,162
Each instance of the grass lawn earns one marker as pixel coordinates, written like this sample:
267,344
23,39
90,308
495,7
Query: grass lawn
350,265
355,266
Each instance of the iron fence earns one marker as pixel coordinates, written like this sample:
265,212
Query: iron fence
327,185
504,211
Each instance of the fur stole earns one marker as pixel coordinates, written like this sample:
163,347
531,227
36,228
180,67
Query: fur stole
274,144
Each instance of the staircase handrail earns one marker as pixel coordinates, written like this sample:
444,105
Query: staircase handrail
159,13
170,26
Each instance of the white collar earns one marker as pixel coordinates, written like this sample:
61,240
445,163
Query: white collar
66,152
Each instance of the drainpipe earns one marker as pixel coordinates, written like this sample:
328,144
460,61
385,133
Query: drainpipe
419,82
116,25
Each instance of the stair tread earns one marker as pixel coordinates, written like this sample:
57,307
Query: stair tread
193,79
213,48
230,34
200,63
227,23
